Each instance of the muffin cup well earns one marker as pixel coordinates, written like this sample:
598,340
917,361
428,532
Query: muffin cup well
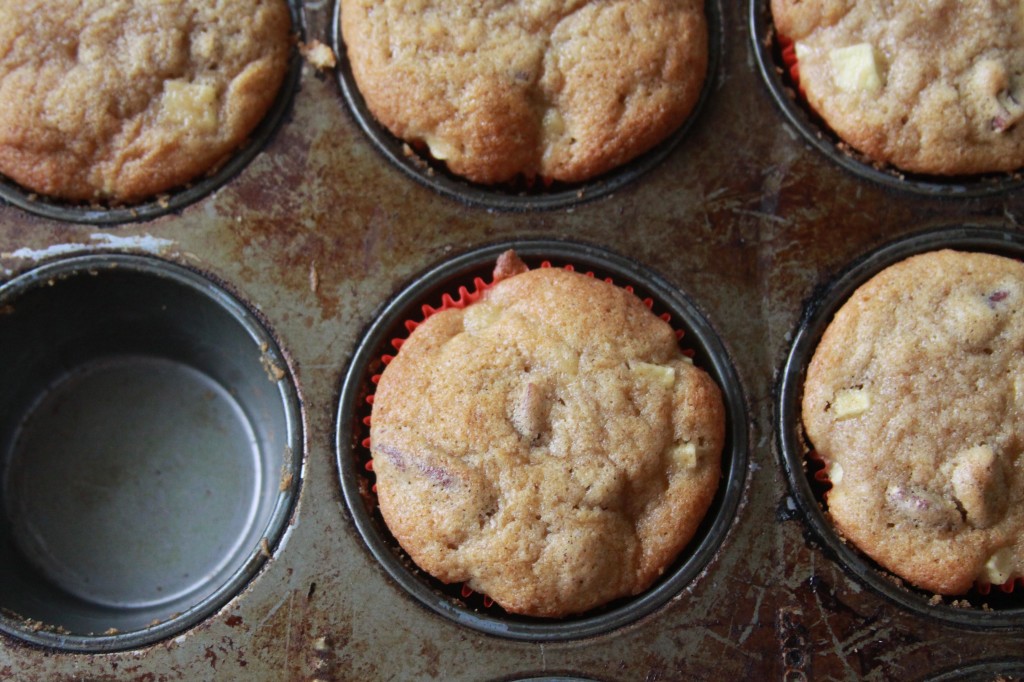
150,450
807,482
516,196
1002,669
554,678
176,199
353,419
776,65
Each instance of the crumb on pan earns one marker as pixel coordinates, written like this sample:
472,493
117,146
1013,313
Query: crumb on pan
509,264
320,56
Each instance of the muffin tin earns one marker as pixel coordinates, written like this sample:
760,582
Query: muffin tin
318,235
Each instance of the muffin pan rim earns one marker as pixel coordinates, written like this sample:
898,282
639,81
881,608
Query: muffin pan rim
693,561
982,670
789,439
253,322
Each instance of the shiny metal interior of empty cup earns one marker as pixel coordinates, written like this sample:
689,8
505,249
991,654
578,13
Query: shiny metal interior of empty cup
994,610
473,611
150,450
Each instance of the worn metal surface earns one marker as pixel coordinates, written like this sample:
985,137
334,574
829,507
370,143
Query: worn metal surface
319,231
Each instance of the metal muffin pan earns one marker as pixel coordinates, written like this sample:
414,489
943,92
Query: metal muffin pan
1004,669
319,232
993,610
422,168
149,445
461,271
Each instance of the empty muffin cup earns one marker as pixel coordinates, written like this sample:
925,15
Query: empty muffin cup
150,451
521,194
456,281
776,61
809,484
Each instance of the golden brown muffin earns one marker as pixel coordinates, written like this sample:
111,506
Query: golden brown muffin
565,90
915,401
933,87
118,101
549,445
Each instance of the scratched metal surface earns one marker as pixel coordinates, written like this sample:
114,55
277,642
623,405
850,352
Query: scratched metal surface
318,231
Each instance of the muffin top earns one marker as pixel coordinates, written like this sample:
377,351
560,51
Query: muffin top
116,101
934,86
549,445
914,400
498,89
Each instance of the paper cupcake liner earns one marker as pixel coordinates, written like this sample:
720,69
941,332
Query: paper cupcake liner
787,52
984,588
985,605
465,296
456,283
817,473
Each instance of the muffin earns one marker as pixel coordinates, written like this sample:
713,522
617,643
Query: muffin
913,401
549,445
118,101
505,90
933,88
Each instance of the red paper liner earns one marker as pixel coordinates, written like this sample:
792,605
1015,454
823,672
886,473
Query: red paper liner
465,297
817,476
1008,587
787,50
